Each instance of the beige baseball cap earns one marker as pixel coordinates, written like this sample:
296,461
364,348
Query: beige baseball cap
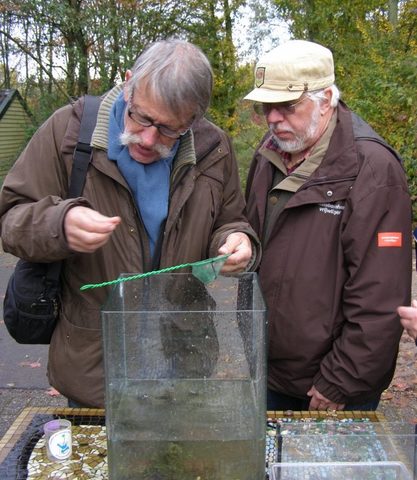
294,67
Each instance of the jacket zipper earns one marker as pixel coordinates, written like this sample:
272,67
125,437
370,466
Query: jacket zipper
324,182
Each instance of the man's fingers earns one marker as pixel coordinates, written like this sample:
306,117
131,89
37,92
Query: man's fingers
91,221
239,246
87,230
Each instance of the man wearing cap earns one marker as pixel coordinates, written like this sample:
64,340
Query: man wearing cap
329,199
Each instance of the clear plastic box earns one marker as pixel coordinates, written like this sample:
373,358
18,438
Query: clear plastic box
347,441
339,471
185,373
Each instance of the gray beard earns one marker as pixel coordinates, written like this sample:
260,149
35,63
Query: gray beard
300,142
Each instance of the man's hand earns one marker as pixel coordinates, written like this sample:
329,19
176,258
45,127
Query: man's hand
87,230
408,318
320,402
239,246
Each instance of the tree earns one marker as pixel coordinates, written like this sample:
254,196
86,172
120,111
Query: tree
375,50
212,29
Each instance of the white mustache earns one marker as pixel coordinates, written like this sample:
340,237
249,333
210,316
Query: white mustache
127,138
274,129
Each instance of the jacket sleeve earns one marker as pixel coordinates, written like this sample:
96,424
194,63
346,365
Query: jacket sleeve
231,217
32,205
376,241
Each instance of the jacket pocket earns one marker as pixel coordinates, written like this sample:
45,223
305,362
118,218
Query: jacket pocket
76,362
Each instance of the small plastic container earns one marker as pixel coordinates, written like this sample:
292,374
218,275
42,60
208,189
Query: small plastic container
339,470
58,439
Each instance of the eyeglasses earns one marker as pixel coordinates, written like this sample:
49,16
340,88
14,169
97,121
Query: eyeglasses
145,121
285,108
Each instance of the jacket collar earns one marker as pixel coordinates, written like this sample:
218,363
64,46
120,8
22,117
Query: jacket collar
340,160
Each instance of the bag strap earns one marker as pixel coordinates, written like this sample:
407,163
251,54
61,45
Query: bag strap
83,149
81,161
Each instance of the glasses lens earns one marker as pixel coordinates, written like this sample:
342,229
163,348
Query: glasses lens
163,130
266,108
138,118
284,108
259,108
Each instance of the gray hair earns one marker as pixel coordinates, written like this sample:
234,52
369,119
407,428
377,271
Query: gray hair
177,72
318,95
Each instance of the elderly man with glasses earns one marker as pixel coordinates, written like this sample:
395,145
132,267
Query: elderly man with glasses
329,200
162,189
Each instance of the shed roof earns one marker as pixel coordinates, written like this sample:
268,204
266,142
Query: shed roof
6,98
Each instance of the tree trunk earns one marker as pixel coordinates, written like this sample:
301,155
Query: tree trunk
5,19
393,12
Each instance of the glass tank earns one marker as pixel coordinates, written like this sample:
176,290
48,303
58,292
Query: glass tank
185,369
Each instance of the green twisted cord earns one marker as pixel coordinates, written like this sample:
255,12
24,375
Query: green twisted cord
154,272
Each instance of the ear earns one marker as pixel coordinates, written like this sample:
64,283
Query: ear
325,104
126,93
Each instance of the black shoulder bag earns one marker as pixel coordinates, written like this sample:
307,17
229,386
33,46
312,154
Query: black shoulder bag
31,302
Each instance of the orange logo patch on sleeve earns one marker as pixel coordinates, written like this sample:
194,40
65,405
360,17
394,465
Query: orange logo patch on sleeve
390,239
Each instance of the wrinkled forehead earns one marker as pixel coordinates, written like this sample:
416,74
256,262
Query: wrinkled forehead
154,104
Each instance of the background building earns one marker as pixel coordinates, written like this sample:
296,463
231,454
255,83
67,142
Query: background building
15,119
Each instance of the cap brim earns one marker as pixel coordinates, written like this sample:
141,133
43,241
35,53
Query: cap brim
266,95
